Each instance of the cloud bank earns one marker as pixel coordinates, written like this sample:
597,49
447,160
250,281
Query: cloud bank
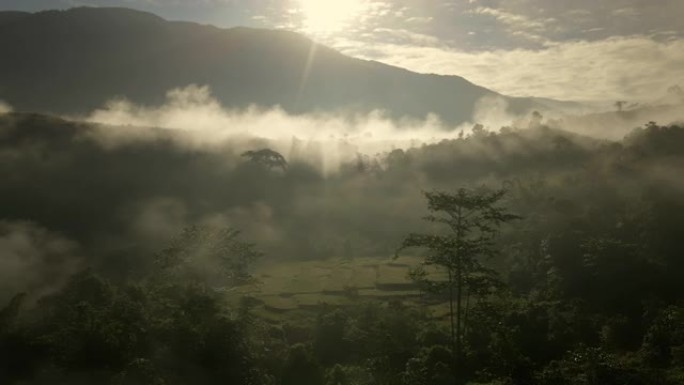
193,110
199,121
635,68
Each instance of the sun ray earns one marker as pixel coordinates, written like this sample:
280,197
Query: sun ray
305,74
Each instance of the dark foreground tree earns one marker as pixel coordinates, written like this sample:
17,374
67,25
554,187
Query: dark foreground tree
472,218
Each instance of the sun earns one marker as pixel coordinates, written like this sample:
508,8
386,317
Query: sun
321,16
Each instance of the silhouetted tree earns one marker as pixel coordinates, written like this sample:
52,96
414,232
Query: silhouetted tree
473,220
536,119
478,130
267,158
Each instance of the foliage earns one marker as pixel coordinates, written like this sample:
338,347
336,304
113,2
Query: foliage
588,285
266,158
473,219
213,254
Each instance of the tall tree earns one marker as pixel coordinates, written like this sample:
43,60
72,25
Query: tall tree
472,218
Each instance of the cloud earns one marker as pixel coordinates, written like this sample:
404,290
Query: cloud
618,17
633,68
516,22
192,118
404,36
568,50
580,50
626,12
193,109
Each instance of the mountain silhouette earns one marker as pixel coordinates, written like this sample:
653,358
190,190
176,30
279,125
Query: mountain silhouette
73,61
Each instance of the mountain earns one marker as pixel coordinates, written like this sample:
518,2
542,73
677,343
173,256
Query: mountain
73,61
9,16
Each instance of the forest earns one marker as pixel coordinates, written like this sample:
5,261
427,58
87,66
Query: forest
519,256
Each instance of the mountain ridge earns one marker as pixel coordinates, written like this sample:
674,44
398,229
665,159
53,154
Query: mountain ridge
74,61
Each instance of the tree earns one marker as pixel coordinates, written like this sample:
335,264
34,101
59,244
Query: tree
536,119
9,313
301,368
213,254
267,158
478,130
473,219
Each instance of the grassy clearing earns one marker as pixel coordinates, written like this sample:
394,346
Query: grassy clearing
297,287
293,285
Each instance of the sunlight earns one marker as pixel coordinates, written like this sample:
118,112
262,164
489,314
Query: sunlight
329,15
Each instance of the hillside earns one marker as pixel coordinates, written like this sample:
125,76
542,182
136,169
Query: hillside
154,238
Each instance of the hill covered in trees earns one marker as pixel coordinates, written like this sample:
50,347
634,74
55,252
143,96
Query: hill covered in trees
122,261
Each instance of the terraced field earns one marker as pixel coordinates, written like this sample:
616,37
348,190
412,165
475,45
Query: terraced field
300,286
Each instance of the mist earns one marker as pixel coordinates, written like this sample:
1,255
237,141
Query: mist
130,223
202,122
352,186
35,260
5,108
195,112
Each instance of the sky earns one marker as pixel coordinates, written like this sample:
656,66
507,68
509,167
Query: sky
585,50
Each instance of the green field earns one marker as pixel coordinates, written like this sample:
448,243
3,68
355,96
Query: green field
300,286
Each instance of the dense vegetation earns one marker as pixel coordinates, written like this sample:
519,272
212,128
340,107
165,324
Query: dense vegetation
113,251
